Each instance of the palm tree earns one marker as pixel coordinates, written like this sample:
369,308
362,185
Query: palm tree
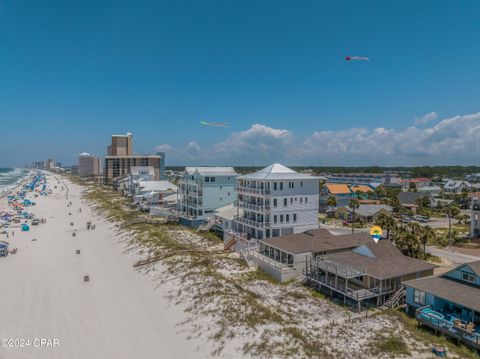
389,225
407,242
380,192
415,228
427,234
353,204
332,202
451,211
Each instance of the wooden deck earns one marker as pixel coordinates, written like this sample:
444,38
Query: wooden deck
445,327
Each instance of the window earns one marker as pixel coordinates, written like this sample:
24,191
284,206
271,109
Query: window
274,186
220,198
228,193
287,218
281,218
212,179
294,217
468,277
285,202
301,200
306,199
275,219
293,184
291,199
274,202
207,179
301,183
281,186
221,187
419,296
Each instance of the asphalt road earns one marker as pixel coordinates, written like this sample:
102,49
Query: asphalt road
451,255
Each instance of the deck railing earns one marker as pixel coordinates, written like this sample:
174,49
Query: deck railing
250,206
250,190
356,294
447,328
251,222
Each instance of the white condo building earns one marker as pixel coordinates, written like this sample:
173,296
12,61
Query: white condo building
276,201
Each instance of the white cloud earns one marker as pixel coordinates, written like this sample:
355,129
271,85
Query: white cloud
450,141
259,143
429,117
163,148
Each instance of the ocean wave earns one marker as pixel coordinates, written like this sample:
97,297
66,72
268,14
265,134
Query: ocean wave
11,177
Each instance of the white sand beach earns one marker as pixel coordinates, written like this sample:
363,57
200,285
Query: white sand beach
119,313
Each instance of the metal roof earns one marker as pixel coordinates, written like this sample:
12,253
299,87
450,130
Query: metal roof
277,171
212,171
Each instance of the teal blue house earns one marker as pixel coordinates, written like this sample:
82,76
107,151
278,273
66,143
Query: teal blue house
448,303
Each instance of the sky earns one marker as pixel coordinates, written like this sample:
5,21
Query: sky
74,72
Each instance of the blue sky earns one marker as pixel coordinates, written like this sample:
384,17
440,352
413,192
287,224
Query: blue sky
73,72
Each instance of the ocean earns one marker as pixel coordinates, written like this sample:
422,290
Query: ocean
10,177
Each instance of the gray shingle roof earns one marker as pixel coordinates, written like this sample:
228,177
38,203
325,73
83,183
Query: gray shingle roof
386,260
410,197
317,240
456,292
370,209
475,266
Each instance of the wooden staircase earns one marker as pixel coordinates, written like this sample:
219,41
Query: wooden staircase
230,243
395,299
297,282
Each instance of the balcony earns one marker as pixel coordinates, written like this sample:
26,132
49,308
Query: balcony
254,191
251,222
251,207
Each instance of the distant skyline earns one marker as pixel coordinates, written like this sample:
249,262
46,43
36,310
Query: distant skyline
73,73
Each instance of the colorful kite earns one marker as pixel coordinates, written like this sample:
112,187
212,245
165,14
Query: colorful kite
356,58
214,124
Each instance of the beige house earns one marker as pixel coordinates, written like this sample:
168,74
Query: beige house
369,212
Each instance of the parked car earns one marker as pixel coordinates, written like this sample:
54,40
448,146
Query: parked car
422,219
35,222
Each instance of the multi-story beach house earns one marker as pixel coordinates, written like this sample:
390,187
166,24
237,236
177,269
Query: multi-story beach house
202,190
276,201
137,174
